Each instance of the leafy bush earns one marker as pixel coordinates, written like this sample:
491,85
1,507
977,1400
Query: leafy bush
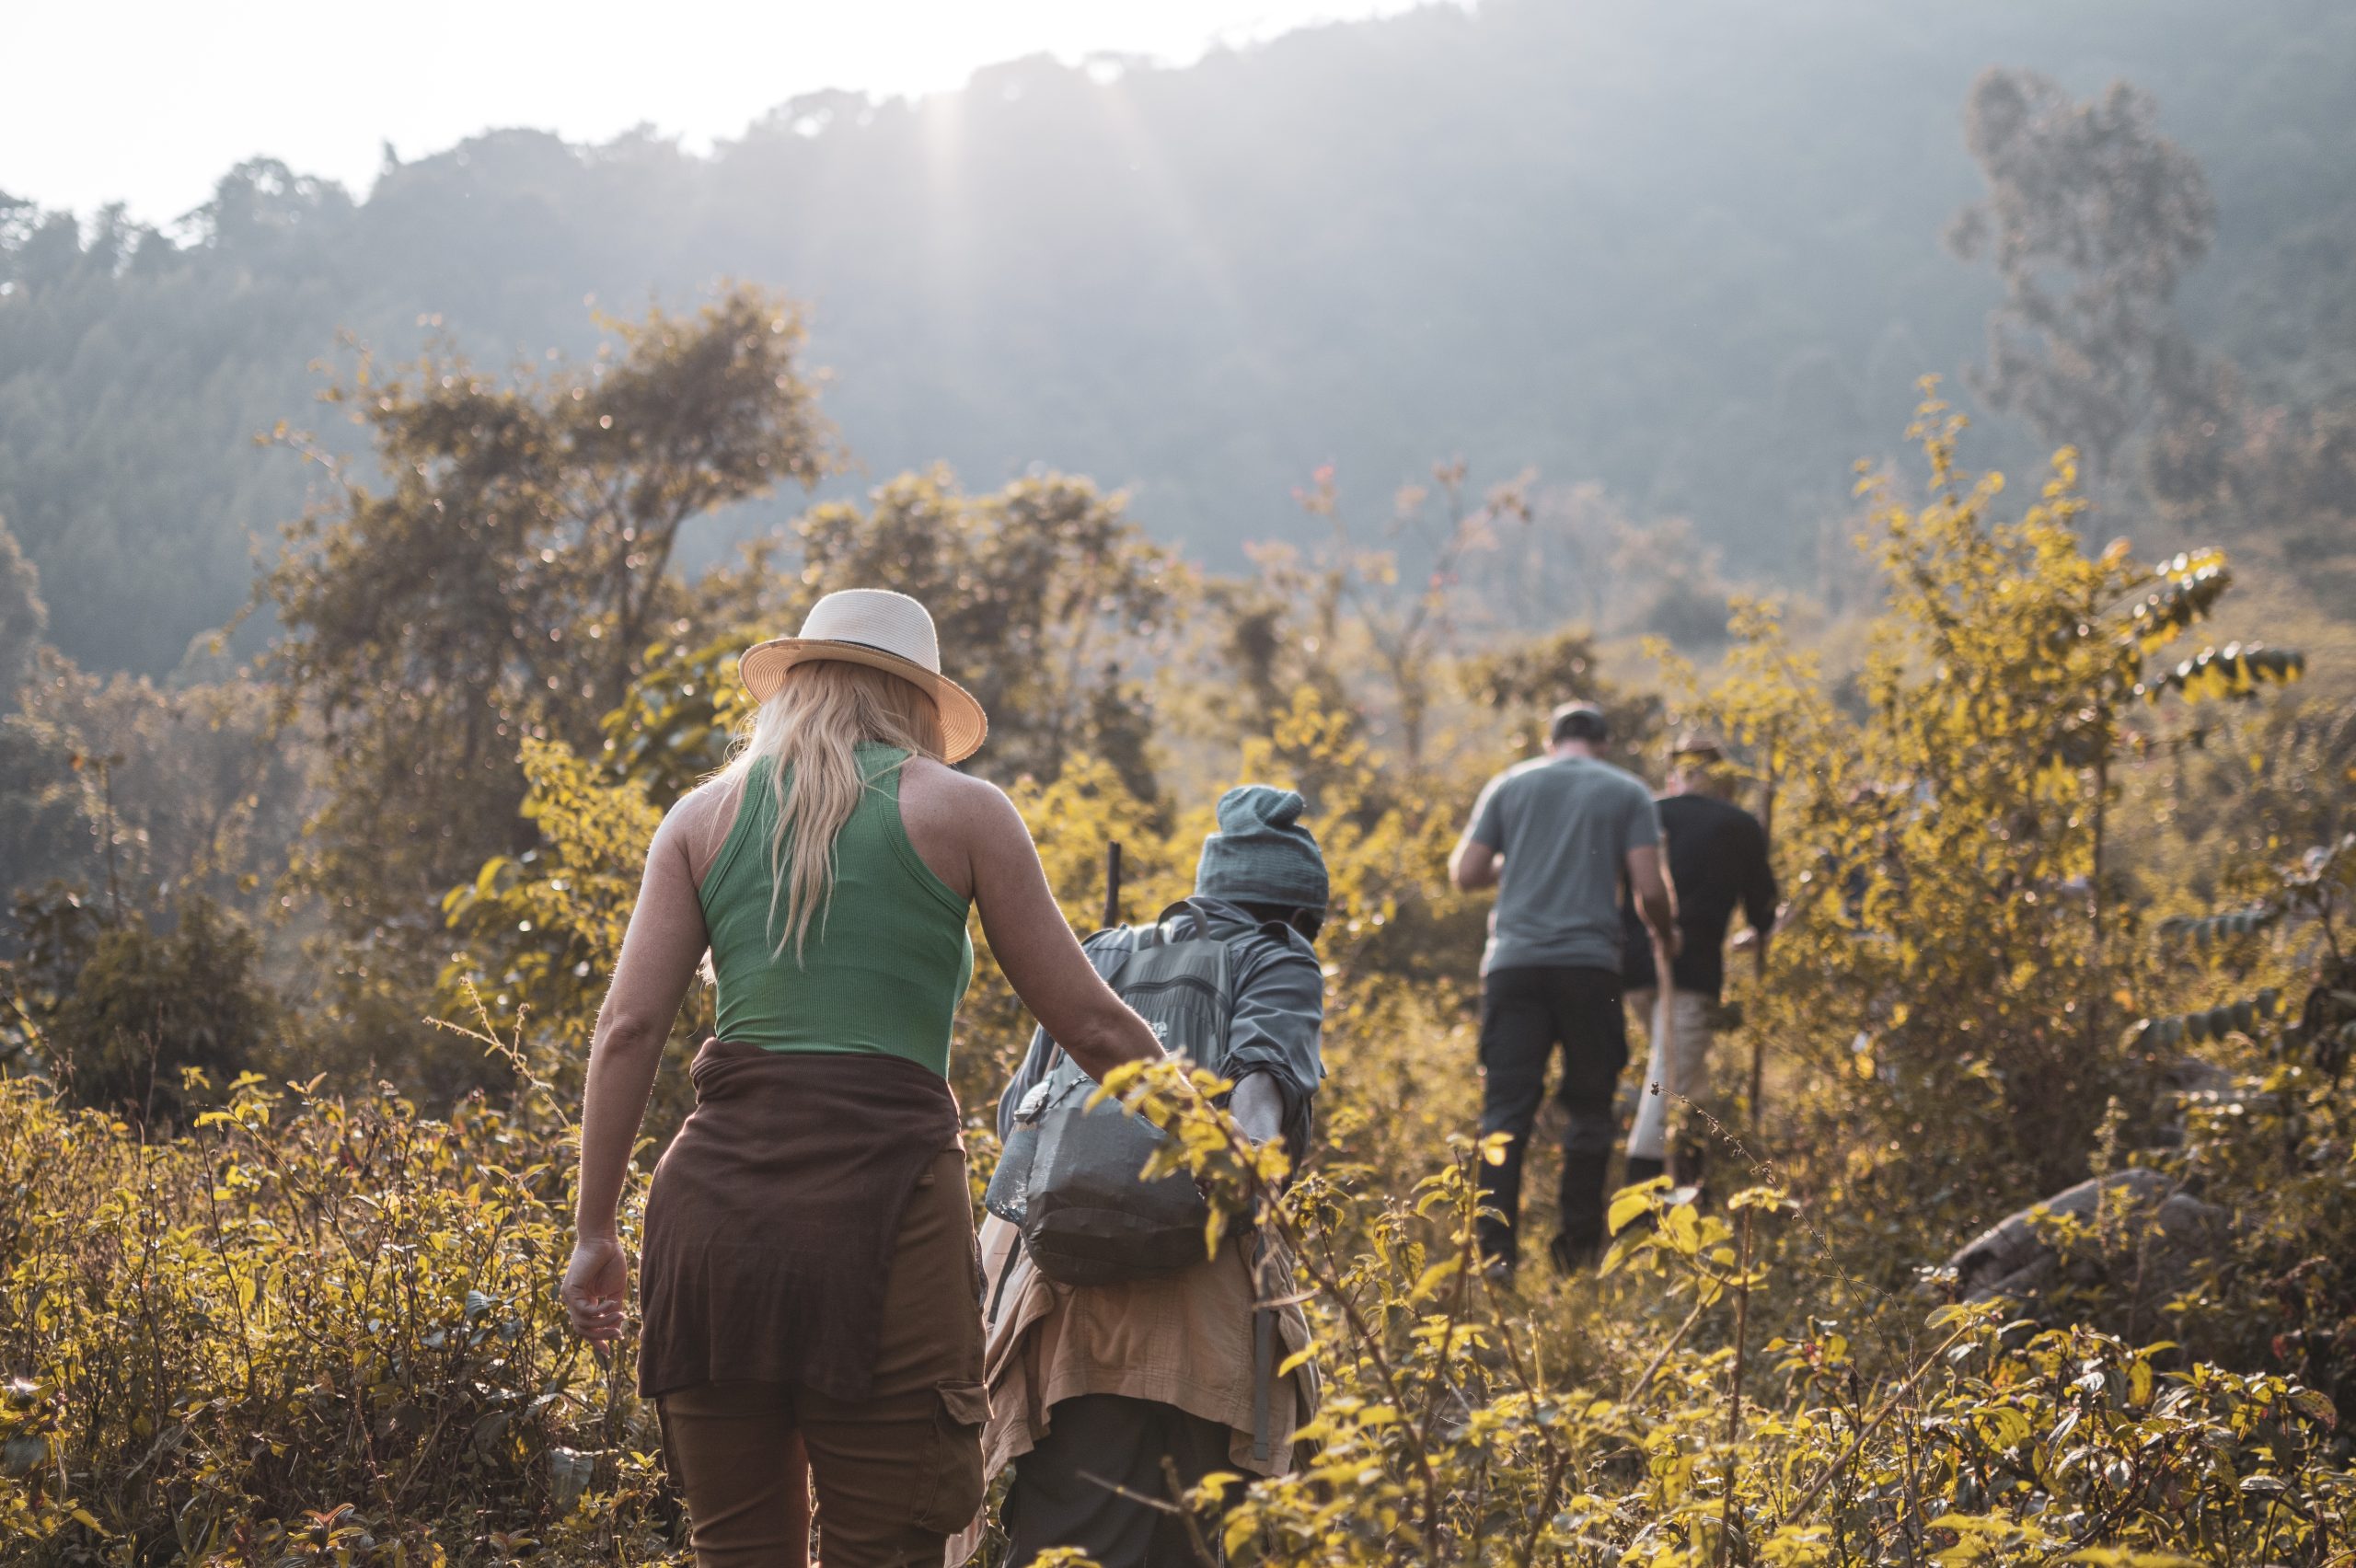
135,1019
311,1330
1465,1425
315,1326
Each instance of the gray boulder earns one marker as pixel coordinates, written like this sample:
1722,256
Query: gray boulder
2136,1224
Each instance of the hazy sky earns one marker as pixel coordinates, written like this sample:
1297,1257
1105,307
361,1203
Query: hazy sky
147,102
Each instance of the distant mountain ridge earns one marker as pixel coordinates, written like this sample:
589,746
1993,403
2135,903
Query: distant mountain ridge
1690,254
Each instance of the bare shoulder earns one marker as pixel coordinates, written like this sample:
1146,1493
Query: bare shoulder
933,787
710,803
698,823
950,817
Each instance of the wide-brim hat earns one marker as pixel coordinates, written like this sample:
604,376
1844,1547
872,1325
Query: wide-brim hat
884,631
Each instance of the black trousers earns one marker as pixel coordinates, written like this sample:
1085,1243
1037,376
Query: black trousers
1525,1014
1067,1490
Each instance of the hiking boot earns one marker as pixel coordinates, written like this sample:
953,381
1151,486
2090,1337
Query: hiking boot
1574,1255
1585,1193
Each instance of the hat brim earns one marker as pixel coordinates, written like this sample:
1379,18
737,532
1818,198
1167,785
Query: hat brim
964,725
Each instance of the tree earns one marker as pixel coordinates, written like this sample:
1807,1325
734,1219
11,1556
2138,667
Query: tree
540,931
506,580
1048,599
23,617
1525,680
2091,218
1951,961
1407,627
2283,473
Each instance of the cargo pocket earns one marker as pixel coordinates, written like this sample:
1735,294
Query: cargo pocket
956,1482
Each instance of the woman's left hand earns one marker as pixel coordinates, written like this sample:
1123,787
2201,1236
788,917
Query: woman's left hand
594,1284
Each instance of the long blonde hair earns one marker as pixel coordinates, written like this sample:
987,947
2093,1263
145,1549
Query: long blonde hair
808,729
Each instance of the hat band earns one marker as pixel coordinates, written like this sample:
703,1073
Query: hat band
872,648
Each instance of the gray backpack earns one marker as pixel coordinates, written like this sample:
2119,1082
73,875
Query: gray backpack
1069,1177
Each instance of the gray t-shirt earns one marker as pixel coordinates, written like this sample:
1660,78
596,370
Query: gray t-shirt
1564,826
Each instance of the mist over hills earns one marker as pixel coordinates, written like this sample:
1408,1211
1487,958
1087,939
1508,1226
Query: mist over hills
1693,255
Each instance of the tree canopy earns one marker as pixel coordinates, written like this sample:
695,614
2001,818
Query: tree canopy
1477,233
508,583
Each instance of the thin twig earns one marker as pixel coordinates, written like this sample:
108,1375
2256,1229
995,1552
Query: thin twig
1674,1341
1799,1510
1734,1392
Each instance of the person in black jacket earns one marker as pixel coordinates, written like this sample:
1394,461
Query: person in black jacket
1717,859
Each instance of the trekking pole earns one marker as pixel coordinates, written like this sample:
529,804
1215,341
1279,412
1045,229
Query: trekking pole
1112,884
1665,1031
1651,1128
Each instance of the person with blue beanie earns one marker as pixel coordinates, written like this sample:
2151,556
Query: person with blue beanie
1262,858
1100,1394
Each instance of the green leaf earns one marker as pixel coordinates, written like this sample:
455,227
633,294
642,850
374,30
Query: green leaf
1434,1278
1631,1202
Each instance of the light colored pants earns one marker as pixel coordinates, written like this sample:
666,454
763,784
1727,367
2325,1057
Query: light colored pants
1690,1024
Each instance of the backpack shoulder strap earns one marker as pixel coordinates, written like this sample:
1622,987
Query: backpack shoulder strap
1108,951
1171,953
1189,908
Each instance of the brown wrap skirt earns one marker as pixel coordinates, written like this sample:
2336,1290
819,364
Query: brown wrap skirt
773,1219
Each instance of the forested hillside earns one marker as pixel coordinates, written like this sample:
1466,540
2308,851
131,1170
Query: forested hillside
1695,259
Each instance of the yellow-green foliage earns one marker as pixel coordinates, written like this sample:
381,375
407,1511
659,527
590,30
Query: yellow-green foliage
555,915
311,1330
316,1328
1464,1424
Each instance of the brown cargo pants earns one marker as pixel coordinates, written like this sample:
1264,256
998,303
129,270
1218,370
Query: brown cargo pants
895,1474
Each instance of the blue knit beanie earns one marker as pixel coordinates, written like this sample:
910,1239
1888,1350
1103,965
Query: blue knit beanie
1262,854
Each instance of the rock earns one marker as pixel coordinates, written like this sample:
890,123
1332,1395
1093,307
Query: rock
2200,1085
2192,1075
2188,1222
2131,1212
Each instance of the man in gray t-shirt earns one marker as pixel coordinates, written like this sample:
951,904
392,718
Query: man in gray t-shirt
1557,836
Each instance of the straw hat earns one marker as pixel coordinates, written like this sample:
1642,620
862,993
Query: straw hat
884,631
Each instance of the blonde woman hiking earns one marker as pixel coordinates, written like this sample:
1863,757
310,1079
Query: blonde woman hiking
809,1278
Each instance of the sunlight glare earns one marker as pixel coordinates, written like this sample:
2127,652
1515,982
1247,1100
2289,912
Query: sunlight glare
188,91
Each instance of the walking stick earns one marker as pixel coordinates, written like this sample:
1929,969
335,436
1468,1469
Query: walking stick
1665,1031
1662,1051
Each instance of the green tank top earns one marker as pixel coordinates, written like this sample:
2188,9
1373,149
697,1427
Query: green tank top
885,964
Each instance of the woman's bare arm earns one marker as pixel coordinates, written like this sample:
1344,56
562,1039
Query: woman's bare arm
658,960
1036,948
